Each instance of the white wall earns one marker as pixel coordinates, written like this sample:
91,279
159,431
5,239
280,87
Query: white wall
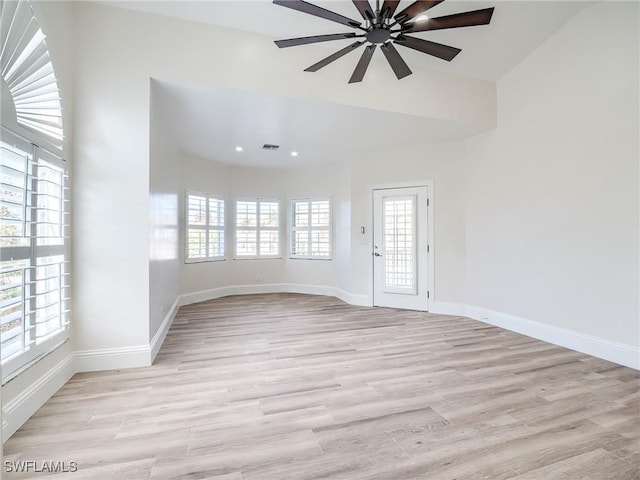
552,209
329,180
120,51
111,186
201,175
440,163
204,175
164,194
537,219
211,177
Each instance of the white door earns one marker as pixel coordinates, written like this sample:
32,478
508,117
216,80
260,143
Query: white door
400,248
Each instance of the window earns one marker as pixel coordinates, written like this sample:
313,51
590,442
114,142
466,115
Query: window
257,228
399,244
205,227
311,229
34,266
29,74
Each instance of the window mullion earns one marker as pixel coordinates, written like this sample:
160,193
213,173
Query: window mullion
309,229
206,225
258,228
33,242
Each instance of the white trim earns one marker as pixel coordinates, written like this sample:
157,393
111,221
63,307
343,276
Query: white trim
616,352
213,293
160,335
113,358
354,298
18,410
447,308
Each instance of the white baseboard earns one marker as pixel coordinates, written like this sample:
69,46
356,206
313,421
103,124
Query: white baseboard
19,409
112,358
616,352
213,293
447,308
354,298
620,353
160,335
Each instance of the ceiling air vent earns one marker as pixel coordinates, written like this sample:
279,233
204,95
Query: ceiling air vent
268,146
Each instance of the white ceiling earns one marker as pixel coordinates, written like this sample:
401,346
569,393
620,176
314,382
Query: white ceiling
488,52
212,121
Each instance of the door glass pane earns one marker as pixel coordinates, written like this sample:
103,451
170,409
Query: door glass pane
399,244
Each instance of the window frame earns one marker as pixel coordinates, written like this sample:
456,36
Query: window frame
207,227
310,228
45,278
258,228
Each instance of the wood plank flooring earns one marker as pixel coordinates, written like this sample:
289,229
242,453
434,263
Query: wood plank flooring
287,386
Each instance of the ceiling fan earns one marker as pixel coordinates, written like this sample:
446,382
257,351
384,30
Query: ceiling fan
382,27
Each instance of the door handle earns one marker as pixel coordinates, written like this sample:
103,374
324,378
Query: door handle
376,254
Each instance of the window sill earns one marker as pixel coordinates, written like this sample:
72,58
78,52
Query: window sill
325,259
206,260
257,258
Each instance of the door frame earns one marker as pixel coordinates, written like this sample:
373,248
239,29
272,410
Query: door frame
430,234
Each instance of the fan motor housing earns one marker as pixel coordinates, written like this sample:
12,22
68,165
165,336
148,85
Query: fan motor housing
378,35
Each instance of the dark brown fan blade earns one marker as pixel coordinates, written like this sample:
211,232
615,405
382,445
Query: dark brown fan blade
292,42
363,64
332,58
364,7
389,8
395,60
415,9
305,7
465,19
444,52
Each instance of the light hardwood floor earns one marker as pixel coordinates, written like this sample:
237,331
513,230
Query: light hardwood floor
287,386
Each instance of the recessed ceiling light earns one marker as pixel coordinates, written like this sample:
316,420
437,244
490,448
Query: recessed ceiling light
238,149
421,18
294,154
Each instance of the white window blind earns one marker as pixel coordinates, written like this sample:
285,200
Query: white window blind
27,70
399,245
34,266
257,228
205,227
311,229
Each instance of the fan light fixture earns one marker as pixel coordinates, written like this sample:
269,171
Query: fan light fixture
383,28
